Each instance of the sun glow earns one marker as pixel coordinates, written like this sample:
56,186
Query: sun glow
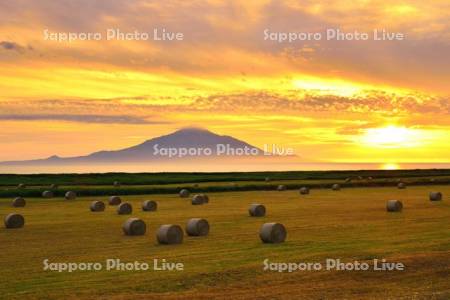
392,137
390,166
323,86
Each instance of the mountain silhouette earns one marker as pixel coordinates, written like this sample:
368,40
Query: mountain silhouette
199,143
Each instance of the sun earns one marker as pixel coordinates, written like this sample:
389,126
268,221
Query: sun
390,166
392,137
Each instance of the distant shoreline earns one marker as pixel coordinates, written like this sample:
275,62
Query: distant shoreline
209,167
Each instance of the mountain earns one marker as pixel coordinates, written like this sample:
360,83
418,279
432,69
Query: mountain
184,144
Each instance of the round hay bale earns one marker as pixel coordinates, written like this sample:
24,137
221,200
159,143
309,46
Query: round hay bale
114,200
198,199
19,202
394,206
149,205
304,191
14,221
54,186
197,227
116,184
22,186
401,185
169,234
281,188
134,226
70,195
205,198
47,194
336,187
370,178
124,208
360,178
257,210
272,233
97,206
435,196
347,180
184,193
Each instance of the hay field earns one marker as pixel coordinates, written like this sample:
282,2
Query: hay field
351,224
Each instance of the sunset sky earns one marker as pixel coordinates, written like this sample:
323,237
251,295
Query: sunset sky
337,101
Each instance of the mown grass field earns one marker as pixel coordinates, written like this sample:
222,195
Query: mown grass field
350,224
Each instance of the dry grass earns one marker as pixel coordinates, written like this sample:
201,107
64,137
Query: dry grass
351,225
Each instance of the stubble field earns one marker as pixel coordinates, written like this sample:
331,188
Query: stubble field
351,224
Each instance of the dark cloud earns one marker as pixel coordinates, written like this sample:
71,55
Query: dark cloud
7,45
119,119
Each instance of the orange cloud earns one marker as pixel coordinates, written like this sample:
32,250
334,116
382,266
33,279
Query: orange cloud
225,76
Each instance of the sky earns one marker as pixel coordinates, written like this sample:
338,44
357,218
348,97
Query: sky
332,101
